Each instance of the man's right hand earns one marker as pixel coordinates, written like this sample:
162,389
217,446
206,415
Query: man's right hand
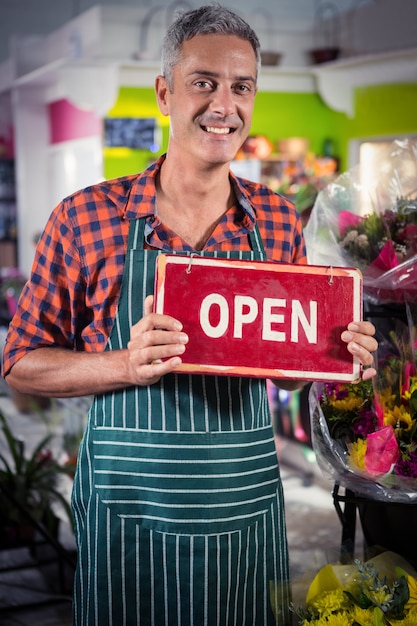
155,347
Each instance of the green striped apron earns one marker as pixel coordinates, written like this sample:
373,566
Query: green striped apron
177,498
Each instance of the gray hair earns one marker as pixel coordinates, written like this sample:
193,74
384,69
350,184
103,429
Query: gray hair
206,20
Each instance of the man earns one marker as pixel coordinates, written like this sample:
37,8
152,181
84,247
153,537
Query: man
177,499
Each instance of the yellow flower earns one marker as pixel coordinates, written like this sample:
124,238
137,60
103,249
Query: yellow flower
386,398
409,620
412,588
398,417
364,617
350,403
357,451
413,387
341,619
328,602
336,619
380,596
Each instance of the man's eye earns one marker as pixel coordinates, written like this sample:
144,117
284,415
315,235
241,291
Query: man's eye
243,88
202,83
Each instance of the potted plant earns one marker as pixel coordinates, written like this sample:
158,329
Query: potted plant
29,489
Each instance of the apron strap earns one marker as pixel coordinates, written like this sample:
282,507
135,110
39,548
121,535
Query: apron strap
256,242
136,234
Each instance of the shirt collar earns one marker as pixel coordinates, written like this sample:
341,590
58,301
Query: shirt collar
142,199
243,198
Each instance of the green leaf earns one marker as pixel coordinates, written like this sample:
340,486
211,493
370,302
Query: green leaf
363,602
379,618
16,447
401,595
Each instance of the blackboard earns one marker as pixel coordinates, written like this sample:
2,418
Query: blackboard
139,133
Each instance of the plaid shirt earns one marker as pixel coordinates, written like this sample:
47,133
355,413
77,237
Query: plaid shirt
71,297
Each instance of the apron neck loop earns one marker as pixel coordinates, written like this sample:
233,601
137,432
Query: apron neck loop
137,236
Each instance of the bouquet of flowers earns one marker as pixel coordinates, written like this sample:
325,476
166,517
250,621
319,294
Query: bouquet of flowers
371,226
379,592
365,434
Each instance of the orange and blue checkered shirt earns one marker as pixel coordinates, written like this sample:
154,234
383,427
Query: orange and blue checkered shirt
71,297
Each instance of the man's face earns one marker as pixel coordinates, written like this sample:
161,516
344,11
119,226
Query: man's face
211,103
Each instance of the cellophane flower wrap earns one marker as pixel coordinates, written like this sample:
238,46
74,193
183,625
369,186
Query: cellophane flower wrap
378,592
365,434
371,225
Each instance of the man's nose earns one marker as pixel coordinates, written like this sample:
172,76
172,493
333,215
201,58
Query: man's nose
223,101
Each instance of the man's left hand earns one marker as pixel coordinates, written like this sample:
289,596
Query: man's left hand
360,340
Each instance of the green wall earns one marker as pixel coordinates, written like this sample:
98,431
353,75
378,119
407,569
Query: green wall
389,110
133,102
382,110
283,115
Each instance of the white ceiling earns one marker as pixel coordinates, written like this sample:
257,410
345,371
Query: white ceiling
40,17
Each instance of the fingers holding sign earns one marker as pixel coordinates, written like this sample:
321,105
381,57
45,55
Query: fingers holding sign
155,347
361,343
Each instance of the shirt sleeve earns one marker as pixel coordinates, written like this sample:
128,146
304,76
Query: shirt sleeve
50,306
299,248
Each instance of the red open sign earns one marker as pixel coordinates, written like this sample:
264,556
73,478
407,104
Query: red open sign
263,319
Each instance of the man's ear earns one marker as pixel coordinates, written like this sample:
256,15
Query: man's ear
162,94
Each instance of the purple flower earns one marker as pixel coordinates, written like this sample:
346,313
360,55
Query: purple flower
338,391
406,467
330,388
389,217
365,424
341,394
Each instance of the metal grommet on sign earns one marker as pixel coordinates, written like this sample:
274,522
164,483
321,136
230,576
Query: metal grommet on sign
330,279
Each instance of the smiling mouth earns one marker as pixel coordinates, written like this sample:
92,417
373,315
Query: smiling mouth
218,131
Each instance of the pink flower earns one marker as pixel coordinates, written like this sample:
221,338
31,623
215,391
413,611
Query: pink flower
387,258
382,451
346,219
409,233
385,261
408,372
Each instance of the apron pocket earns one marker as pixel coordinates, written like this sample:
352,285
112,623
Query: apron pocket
186,483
